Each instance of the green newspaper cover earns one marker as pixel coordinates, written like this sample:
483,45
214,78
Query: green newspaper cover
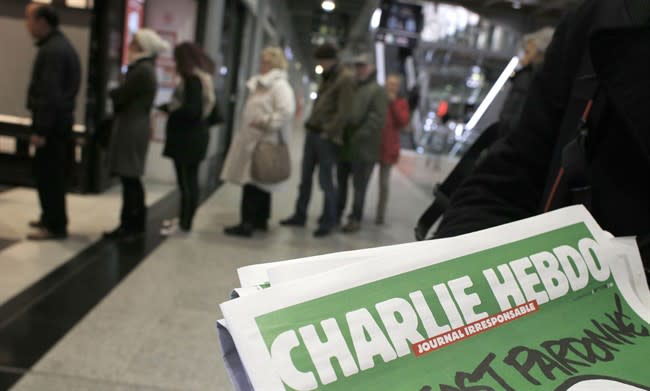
550,310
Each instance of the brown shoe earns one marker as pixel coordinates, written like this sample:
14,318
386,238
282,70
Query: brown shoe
37,224
351,227
44,235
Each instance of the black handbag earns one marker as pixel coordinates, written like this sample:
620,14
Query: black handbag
215,117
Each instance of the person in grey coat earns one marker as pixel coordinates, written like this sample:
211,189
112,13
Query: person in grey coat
133,102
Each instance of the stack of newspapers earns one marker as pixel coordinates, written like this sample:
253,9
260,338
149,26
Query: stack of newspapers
548,303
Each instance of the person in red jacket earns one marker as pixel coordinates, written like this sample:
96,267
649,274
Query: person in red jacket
397,117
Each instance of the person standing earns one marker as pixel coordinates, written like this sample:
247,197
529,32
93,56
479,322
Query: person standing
267,117
324,128
53,89
187,136
362,141
535,45
397,117
595,68
133,101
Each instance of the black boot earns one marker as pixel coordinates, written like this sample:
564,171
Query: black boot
293,221
243,230
262,226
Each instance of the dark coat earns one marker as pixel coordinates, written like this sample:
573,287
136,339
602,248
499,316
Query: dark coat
54,86
187,131
333,106
515,179
363,133
514,104
133,101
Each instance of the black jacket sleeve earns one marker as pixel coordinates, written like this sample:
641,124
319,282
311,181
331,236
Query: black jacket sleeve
509,184
54,87
131,88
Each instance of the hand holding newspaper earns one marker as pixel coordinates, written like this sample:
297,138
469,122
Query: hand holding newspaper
551,303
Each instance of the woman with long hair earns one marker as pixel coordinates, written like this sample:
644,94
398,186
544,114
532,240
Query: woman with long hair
132,102
187,128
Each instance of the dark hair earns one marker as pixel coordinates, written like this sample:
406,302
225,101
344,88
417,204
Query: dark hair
326,51
190,56
48,13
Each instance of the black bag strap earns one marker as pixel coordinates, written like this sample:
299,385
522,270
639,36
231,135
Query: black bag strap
442,192
573,181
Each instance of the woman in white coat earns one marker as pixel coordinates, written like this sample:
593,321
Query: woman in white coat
268,116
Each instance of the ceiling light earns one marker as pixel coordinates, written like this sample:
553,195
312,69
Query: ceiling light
516,5
328,5
318,70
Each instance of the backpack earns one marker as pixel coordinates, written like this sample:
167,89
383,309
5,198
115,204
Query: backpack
442,192
572,185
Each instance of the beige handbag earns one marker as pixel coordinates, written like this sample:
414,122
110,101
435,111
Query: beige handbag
271,162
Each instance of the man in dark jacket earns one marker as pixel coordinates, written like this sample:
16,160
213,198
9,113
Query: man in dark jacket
324,127
52,93
601,53
362,140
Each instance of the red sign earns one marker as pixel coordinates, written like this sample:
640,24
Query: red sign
133,21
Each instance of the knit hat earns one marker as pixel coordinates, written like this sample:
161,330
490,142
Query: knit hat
150,42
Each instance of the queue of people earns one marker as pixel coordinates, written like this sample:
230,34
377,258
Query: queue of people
354,125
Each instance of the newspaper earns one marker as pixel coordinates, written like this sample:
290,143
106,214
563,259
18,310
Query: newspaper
550,303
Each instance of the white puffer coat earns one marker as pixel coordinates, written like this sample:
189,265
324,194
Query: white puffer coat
271,101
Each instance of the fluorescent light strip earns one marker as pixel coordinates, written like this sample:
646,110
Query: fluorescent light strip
489,98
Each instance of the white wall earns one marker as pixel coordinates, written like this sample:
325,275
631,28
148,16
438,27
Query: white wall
18,53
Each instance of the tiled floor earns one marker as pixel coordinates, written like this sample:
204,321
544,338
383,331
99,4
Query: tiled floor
24,263
156,330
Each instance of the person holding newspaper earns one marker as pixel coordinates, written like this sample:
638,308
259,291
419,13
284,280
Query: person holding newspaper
584,133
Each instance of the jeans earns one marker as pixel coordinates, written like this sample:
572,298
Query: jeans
134,211
50,166
360,172
255,206
318,152
187,176
384,189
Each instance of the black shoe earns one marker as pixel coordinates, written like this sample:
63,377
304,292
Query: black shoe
322,232
293,222
123,233
241,230
37,224
47,235
351,227
264,226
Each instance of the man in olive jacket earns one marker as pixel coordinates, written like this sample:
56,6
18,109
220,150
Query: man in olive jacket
51,99
362,140
324,127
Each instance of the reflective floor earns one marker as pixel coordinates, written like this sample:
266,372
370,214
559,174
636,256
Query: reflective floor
141,315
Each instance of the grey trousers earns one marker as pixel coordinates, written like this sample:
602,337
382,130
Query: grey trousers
384,189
